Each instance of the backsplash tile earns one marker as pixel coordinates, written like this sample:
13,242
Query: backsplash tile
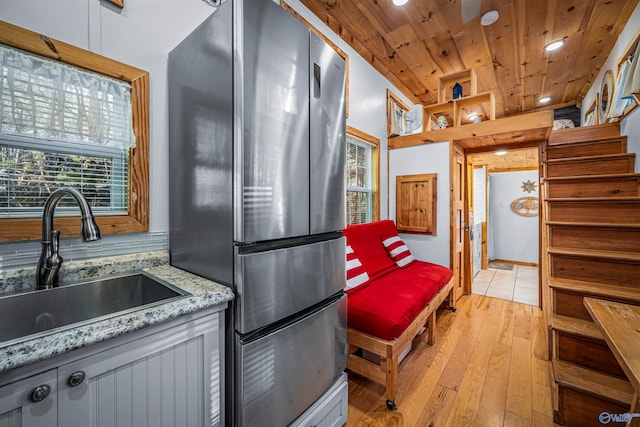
26,254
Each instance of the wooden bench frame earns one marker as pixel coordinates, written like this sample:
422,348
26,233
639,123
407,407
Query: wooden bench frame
386,372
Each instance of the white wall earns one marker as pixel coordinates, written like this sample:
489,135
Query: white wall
515,237
630,126
429,158
145,31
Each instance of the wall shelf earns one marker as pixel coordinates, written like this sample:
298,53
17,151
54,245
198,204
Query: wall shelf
467,78
456,111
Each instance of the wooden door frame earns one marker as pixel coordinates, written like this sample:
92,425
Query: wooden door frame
468,183
459,288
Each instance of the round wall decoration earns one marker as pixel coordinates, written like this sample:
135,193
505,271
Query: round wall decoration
525,206
606,96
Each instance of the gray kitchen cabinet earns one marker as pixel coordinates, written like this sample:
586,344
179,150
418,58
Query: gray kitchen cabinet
30,402
169,377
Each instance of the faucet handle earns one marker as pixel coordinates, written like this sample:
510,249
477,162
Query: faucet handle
54,261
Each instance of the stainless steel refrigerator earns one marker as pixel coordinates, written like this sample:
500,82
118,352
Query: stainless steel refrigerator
257,200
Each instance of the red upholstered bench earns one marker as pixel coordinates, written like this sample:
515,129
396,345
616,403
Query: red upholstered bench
391,297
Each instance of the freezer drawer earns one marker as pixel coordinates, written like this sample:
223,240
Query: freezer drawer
283,373
271,285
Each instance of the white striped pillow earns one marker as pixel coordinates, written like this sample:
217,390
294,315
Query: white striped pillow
356,274
398,251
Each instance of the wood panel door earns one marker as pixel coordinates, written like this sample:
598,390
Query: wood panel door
458,167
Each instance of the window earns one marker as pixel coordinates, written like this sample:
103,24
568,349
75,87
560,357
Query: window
60,132
61,126
362,182
397,112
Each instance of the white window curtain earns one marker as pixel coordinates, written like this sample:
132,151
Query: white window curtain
394,128
360,192
620,103
61,126
47,99
632,83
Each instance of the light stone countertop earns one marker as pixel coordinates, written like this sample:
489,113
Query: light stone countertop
204,293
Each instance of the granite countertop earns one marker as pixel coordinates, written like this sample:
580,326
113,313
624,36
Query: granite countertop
204,293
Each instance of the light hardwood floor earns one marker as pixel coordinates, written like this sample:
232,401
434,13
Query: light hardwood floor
487,368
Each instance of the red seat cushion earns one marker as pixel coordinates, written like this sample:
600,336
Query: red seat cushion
387,306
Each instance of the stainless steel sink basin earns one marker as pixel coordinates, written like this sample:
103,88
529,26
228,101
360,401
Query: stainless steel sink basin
35,313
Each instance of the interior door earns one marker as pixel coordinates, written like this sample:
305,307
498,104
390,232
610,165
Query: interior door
458,225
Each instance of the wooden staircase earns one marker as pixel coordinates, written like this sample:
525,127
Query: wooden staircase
592,247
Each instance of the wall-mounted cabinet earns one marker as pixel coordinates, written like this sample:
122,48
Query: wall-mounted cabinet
416,203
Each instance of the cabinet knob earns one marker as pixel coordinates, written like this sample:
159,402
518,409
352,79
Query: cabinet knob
39,393
76,378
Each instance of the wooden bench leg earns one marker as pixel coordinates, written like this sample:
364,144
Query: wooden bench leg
431,328
391,381
451,301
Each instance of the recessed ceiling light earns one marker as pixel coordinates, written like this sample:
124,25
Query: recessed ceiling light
554,45
489,17
501,152
544,100
400,2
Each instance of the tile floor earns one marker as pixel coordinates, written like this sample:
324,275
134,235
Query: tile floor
519,284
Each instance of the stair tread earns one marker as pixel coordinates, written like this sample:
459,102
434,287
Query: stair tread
585,134
598,290
592,382
612,176
595,253
588,141
574,326
590,158
594,199
593,224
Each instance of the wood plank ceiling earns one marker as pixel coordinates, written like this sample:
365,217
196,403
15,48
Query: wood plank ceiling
414,44
513,160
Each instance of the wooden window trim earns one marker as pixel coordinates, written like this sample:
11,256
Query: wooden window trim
137,220
119,3
334,46
375,166
403,105
629,50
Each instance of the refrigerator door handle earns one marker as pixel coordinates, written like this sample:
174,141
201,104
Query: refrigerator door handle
317,72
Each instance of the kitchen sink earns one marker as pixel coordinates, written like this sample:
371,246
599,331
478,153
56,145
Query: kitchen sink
32,314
